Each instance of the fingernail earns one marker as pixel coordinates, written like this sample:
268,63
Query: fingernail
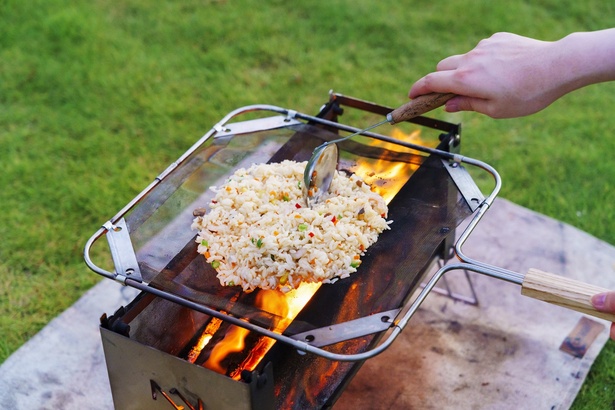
599,300
451,106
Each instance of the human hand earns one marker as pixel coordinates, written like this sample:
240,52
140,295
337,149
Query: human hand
605,302
508,75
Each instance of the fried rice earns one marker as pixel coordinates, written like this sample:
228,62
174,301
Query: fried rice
258,232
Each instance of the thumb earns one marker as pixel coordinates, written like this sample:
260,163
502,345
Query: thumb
461,103
604,302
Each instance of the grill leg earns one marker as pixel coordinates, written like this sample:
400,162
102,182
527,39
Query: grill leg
471,299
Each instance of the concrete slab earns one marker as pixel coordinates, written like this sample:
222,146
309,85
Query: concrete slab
503,353
63,366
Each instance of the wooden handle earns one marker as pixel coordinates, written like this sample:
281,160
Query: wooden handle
417,106
565,292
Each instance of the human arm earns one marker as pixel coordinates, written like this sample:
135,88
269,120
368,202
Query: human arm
508,75
605,302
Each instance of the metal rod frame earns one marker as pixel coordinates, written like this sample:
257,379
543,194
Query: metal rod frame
303,347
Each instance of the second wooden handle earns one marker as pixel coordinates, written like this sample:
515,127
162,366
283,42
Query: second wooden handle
564,292
418,106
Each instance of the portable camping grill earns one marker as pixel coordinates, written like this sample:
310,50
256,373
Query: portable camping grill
188,341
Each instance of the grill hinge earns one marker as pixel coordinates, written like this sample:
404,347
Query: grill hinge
122,252
352,329
466,185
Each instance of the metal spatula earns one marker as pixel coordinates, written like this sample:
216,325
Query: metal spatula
321,166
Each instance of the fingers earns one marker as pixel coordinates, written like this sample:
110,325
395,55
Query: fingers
449,63
431,84
479,105
436,82
460,103
604,302
419,88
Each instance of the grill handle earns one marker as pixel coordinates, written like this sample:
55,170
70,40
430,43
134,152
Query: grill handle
565,292
418,106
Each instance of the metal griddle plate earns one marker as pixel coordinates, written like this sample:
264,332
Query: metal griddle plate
165,261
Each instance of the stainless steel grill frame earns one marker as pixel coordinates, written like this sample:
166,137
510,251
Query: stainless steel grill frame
173,381
127,270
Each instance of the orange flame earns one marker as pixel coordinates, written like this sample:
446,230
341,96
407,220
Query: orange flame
286,306
211,328
234,341
384,176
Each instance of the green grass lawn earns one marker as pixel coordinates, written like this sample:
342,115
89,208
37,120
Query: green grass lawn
98,97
